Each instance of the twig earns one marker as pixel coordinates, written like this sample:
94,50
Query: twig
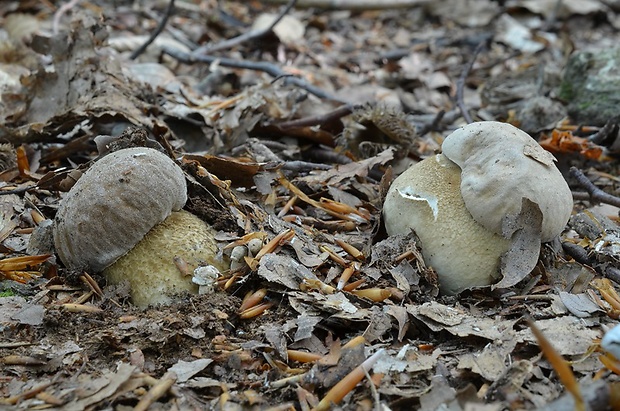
460,84
577,252
373,390
156,392
298,165
596,194
156,33
357,4
347,383
15,344
609,129
325,155
613,274
340,112
532,297
581,196
61,12
433,125
250,35
269,68
18,190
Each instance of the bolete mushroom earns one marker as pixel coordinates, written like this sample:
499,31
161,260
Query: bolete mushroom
458,202
123,218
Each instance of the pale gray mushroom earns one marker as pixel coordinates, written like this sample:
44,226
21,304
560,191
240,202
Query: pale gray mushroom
457,201
114,204
500,165
123,218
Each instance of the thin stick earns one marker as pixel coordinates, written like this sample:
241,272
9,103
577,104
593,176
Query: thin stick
156,33
18,190
460,84
596,194
373,390
613,274
250,35
298,165
269,68
156,392
340,112
433,125
345,385
62,10
577,252
357,4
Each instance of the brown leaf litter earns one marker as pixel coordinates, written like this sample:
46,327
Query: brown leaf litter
319,305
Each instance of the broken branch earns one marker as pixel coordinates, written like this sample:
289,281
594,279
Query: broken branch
596,194
269,68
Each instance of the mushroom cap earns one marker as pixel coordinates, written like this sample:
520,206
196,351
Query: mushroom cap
114,204
426,198
500,165
150,266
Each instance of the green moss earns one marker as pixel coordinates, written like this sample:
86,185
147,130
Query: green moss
7,293
591,86
566,91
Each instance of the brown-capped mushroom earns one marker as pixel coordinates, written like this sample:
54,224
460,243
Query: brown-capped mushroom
122,218
457,202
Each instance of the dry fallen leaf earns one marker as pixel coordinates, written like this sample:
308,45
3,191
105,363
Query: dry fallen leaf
524,232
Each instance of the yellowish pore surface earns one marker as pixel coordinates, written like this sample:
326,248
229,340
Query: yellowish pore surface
150,268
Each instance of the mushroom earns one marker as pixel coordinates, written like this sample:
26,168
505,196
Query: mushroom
123,218
458,202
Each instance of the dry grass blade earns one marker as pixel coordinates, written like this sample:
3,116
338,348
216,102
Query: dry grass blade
90,282
603,285
81,308
22,263
309,284
276,241
156,392
255,311
610,363
561,367
342,388
374,294
352,251
19,276
302,356
344,277
328,206
25,395
333,256
252,299
354,342
352,286
246,239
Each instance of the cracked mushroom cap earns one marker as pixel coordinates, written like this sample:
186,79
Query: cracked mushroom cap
500,165
114,204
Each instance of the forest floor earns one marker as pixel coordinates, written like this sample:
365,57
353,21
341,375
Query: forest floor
296,131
